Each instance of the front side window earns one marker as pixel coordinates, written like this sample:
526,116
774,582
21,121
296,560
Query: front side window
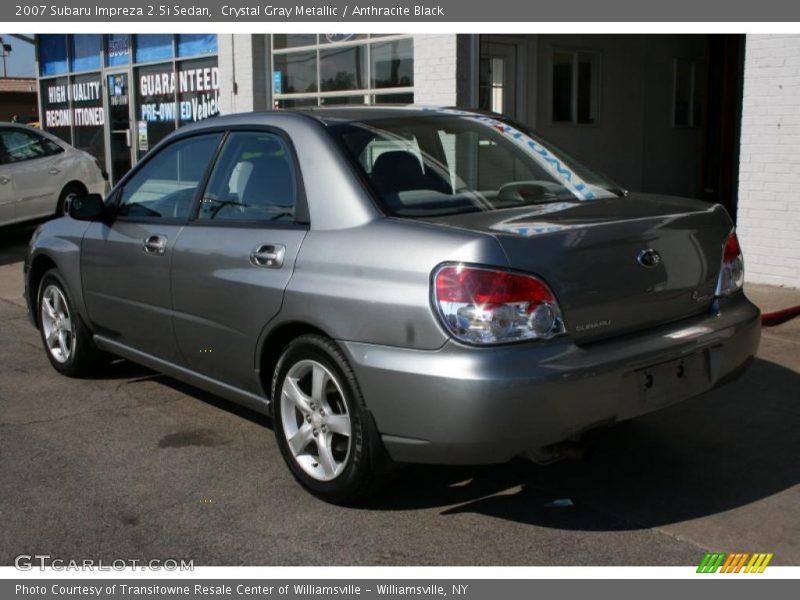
166,185
456,163
253,180
20,145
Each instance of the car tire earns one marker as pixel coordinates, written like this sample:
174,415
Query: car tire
67,194
309,417
67,341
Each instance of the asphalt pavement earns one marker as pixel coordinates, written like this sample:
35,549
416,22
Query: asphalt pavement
134,465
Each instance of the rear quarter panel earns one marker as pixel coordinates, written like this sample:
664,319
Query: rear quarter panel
371,283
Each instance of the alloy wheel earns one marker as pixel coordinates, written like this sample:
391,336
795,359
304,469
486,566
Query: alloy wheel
315,420
57,324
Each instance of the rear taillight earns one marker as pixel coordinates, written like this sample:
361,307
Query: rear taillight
487,306
731,276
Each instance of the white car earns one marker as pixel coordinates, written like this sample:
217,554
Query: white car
40,174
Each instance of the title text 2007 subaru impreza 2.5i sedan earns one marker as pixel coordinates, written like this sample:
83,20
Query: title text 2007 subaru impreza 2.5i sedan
395,285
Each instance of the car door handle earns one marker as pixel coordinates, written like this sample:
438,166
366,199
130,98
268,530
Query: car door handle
54,171
155,244
268,255
4,180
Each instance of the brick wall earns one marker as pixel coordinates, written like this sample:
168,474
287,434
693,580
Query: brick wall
442,75
769,173
249,72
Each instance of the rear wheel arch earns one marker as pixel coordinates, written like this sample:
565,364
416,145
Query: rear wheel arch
275,342
348,477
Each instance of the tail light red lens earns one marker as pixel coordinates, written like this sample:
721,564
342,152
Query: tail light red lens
489,306
732,250
731,275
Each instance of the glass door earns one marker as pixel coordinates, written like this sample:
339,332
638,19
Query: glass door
121,136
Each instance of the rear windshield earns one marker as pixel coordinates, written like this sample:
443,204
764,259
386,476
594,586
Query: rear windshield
456,163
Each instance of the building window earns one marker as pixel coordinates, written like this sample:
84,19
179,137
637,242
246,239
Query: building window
491,86
687,106
342,68
295,73
56,113
332,38
197,44
118,49
330,69
576,87
407,98
198,90
155,104
88,115
85,52
393,64
296,40
341,100
152,47
52,54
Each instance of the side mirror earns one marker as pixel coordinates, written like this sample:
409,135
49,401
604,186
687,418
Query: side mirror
87,208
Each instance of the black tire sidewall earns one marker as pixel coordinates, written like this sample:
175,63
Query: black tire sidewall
358,471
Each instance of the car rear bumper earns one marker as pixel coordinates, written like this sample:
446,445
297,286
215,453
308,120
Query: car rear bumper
462,405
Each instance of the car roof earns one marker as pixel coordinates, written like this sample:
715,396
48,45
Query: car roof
324,115
348,114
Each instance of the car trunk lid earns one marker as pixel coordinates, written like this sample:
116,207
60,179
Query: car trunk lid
616,265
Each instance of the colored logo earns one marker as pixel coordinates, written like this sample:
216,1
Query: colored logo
738,562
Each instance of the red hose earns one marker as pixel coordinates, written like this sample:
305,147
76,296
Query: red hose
779,316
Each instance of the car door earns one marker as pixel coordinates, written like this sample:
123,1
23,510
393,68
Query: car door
233,261
125,262
34,172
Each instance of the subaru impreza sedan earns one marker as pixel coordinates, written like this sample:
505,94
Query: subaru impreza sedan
395,285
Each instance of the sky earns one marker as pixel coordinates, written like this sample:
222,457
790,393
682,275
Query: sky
22,60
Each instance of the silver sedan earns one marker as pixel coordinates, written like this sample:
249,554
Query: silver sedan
395,285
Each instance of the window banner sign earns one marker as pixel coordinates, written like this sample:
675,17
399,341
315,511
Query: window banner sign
444,11
85,96
197,86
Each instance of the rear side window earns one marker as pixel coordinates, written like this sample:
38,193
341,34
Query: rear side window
166,185
253,180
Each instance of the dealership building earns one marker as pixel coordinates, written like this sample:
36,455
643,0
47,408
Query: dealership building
715,117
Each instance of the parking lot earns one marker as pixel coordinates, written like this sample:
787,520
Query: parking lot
134,465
